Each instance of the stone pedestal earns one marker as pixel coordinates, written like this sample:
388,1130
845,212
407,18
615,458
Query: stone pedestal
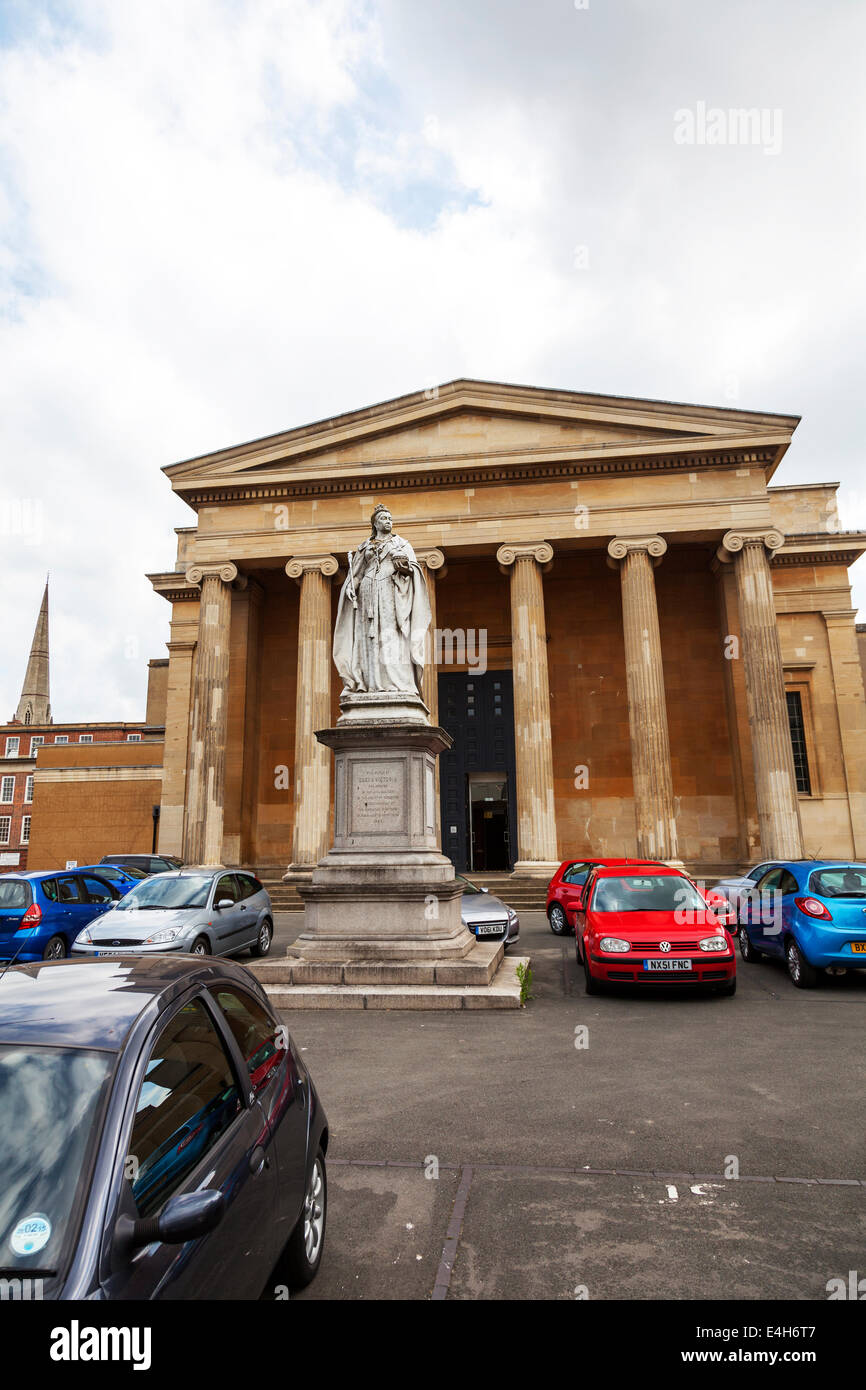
384,891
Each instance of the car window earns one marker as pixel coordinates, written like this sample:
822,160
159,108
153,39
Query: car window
647,893
68,891
262,1041
97,892
50,1103
161,866
187,1101
49,889
843,882
226,888
770,882
787,882
576,874
756,873
14,893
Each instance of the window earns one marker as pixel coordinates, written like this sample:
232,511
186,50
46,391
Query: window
5,829
262,1041
797,726
85,738
62,738
28,717
226,888
67,890
97,892
28,788
12,747
188,1099
36,742
246,886
7,789
133,738
14,893
576,874
49,889
25,831
788,883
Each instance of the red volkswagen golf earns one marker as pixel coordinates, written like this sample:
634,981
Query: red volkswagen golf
651,926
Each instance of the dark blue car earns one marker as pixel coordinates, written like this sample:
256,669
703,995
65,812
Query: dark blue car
160,1137
809,913
42,913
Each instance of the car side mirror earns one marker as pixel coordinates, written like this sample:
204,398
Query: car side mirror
224,902
188,1216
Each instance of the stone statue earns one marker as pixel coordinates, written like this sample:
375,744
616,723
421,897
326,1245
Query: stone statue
383,614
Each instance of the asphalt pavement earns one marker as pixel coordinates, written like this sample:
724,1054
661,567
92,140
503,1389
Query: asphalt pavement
672,1146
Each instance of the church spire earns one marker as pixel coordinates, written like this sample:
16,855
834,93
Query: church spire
34,706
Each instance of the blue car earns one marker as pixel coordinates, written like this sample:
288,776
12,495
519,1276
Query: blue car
809,913
42,913
123,877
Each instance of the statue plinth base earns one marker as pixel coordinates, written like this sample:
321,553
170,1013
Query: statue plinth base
384,891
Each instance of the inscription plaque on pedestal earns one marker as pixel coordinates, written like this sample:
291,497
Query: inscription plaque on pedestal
377,797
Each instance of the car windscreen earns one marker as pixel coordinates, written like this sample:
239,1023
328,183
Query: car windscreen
646,893
466,885
50,1104
14,893
190,890
842,882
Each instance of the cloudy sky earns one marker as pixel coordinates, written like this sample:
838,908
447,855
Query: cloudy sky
224,218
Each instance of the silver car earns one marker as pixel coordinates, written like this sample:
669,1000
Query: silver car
486,916
738,887
204,912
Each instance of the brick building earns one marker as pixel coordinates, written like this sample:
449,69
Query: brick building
41,824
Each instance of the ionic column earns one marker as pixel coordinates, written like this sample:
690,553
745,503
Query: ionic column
205,793
536,812
432,562
655,819
311,831
775,781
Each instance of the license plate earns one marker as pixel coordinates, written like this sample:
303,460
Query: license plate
859,947
667,965
106,953
489,929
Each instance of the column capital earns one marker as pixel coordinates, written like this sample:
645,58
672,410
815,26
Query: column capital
540,551
617,550
733,542
299,565
225,570
431,559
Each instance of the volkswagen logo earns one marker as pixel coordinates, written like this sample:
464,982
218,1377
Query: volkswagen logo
664,945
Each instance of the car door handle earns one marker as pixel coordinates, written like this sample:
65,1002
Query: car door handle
258,1160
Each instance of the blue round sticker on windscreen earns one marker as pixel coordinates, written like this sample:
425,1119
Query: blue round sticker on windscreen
31,1234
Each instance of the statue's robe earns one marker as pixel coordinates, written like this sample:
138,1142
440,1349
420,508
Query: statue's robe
380,644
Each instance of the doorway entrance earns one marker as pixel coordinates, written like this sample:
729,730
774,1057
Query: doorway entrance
488,820
478,791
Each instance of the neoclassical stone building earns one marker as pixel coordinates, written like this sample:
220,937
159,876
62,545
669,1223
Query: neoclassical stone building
642,646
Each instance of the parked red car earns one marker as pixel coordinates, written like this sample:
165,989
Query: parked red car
564,889
651,927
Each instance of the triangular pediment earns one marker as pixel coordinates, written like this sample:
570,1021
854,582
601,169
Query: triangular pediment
449,426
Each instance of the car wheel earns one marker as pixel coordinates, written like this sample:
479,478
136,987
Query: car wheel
730,988
558,920
263,945
55,949
591,983
303,1253
803,975
201,946
751,955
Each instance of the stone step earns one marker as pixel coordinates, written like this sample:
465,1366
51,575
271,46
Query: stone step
503,992
476,968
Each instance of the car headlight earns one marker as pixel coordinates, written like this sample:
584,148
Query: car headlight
512,915
613,943
84,937
167,934
713,943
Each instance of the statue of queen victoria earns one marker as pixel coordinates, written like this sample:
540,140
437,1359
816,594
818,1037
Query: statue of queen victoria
383,614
